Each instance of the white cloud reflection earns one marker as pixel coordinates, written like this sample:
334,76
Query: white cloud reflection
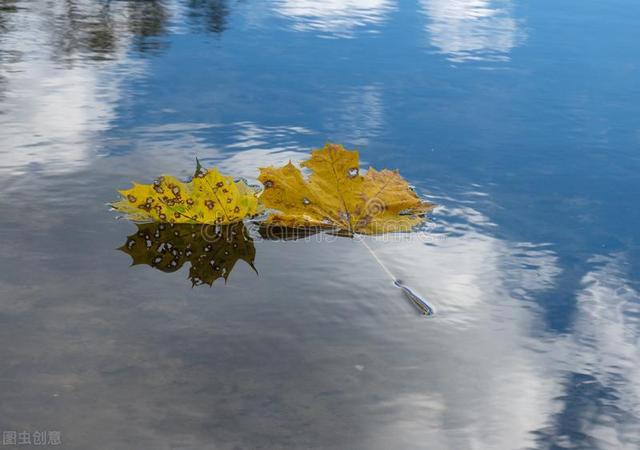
468,30
358,117
334,18
516,379
238,148
54,108
479,286
605,345
609,314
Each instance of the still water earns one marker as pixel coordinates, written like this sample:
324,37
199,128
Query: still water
519,118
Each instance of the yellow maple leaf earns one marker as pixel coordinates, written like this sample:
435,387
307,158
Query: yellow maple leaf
337,197
209,197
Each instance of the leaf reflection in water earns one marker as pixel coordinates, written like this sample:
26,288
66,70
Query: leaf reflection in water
212,251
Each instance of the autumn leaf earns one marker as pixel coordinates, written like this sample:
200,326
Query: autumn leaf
209,198
211,251
336,197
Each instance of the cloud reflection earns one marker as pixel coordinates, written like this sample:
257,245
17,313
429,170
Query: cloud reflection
601,400
358,116
334,18
56,101
238,148
63,68
480,286
524,390
467,30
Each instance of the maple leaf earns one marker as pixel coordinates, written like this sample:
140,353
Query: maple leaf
208,198
335,196
212,251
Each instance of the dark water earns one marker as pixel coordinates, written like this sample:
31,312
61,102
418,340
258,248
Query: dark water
521,119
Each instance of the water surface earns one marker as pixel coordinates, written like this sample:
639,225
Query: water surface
519,119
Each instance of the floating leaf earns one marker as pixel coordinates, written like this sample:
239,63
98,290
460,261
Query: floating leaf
209,198
337,197
211,250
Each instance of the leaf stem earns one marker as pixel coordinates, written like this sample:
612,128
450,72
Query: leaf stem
418,301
